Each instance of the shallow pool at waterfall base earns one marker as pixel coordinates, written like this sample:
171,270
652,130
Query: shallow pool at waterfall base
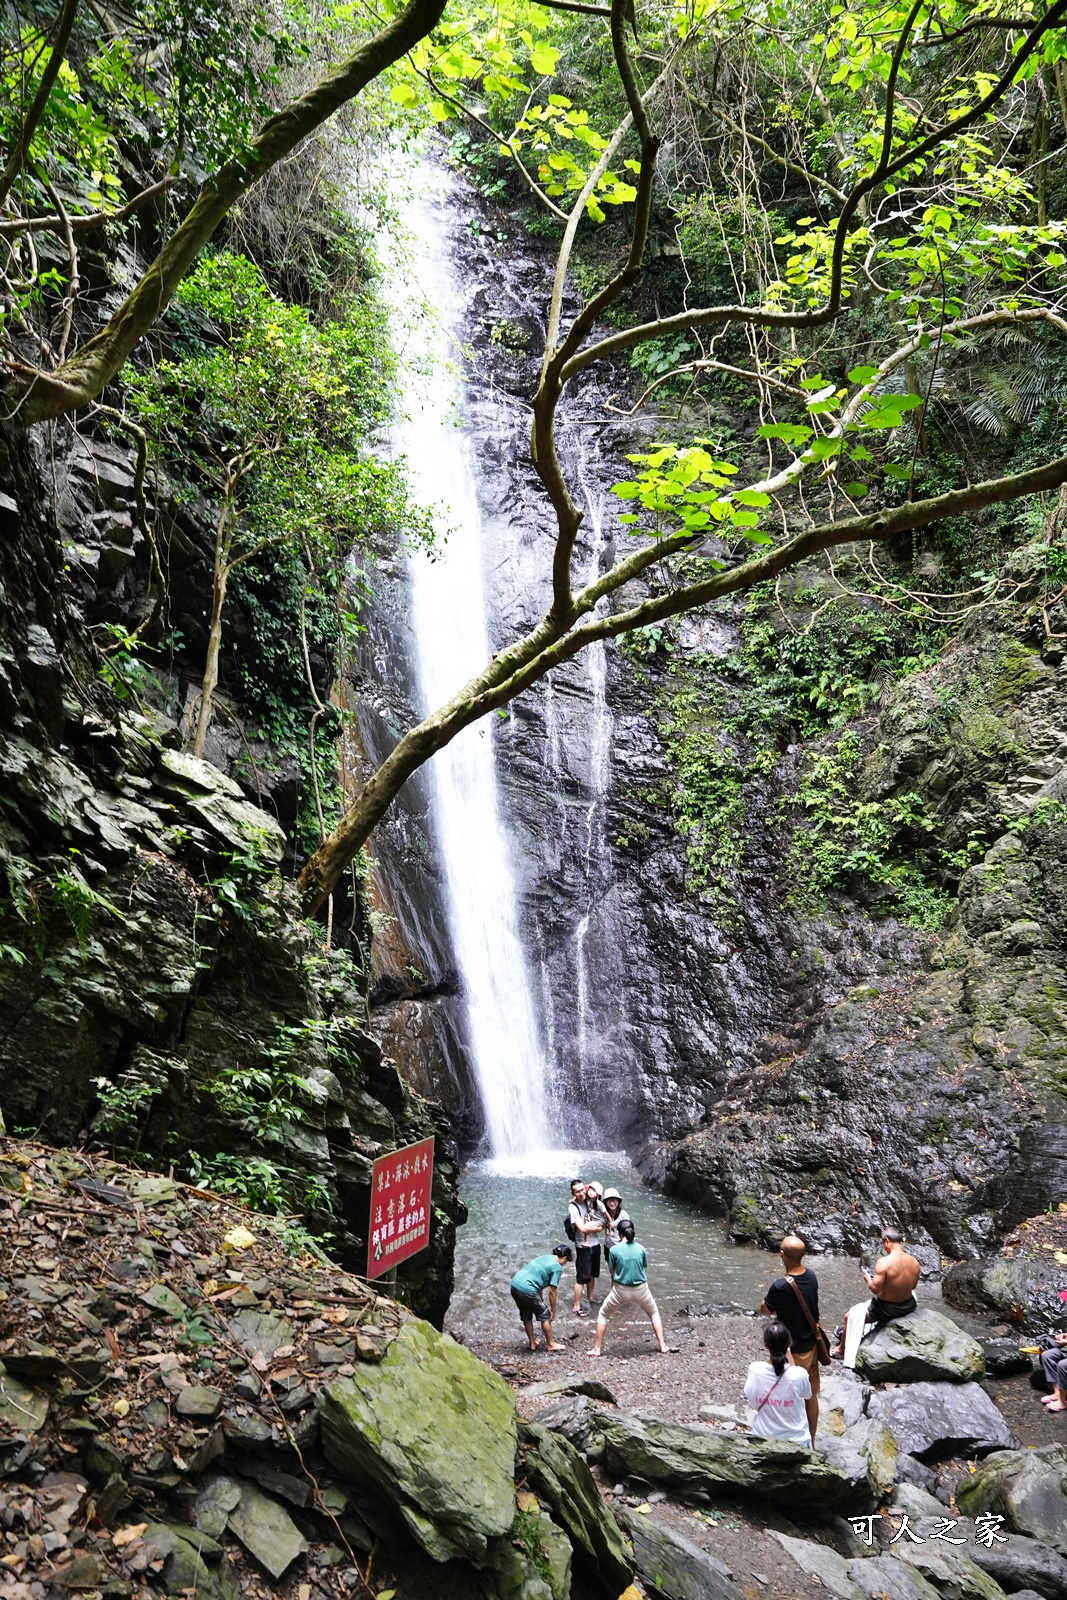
517,1215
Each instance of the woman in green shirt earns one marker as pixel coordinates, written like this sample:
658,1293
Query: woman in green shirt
629,1270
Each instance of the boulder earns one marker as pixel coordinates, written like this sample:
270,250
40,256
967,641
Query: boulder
534,1562
925,1345
433,1431
560,1478
1003,1358
266,1530
1024,1563
933,1420
696,1460
842,1400
192,1562
887,1578
1021,1289
820,1562
950,1570
917,1504
564,1386
670,1564
1026,1488
866,1451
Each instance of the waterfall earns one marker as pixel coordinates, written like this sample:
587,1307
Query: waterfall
449,623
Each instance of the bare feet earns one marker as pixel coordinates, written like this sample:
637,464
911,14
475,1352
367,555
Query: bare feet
596,1353
556,1349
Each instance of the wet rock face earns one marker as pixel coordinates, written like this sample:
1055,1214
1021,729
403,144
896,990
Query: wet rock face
155,978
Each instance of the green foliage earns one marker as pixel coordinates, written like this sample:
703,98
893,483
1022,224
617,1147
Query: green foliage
847,844
122,1108
65,890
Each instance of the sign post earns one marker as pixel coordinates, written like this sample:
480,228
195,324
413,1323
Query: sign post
399,1207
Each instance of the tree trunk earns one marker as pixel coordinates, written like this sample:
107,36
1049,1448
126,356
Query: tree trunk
211,665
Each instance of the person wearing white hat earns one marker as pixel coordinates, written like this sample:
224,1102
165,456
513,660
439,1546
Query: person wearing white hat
611,1204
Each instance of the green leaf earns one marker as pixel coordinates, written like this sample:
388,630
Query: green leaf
788,432
754,536
861,374
403,94
543,58
856,490
751,497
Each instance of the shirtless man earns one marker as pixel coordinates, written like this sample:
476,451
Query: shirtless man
892,1284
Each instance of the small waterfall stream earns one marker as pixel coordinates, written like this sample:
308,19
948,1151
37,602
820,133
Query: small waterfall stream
450,629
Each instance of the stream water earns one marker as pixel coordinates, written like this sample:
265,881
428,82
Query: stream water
516,1215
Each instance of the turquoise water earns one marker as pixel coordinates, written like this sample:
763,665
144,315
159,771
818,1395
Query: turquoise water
516,1215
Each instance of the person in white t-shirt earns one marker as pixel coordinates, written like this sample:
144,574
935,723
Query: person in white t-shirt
777,1390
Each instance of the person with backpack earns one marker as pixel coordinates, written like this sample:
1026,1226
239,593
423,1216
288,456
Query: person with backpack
527,1290
779,1391
794,1301
629,1287
583,1224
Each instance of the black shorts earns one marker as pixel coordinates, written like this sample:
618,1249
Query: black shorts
587,1262
530,1308
882,1311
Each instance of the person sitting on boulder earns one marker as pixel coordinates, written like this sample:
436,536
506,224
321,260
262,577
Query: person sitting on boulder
1054,1365
527,1287
892,1286
629,1287
779,1391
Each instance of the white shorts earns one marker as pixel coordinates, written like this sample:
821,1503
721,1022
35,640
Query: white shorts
622,1295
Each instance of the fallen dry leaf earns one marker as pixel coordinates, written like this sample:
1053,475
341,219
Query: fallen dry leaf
238,1238
126,1536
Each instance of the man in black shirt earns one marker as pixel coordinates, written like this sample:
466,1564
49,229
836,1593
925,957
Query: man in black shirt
781,1301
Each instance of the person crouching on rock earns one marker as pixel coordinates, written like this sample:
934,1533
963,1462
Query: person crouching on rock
778,1391
527,1287
892,1286
629,1287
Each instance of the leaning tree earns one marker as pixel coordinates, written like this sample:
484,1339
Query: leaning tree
941,276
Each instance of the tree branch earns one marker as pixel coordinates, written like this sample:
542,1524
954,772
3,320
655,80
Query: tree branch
549,645
33,116
10,226
39,395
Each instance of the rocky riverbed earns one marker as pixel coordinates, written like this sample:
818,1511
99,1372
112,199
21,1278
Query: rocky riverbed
191,1401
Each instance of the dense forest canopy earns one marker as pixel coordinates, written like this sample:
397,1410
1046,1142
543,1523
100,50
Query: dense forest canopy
844,221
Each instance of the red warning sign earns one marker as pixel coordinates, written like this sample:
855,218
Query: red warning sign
399,1207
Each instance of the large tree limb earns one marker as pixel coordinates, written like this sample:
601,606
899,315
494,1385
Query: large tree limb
58,50
39,395
549,645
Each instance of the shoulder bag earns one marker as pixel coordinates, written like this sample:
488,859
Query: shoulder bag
822,1342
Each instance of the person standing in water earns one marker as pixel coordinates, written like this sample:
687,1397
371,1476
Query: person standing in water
779,1391
527,1288
629,1287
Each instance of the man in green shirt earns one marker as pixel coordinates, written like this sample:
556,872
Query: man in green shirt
527,1288
629,1269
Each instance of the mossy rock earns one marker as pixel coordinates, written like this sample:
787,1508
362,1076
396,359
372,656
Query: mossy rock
433,1432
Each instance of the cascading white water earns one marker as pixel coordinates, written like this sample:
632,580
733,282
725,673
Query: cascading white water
449,625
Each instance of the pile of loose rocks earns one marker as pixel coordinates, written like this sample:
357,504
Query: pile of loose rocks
160,1358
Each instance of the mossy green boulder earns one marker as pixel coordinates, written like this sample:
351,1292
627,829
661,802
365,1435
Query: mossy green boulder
433,1431
924,1346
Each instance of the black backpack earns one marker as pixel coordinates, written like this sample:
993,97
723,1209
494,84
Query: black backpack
568,1227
